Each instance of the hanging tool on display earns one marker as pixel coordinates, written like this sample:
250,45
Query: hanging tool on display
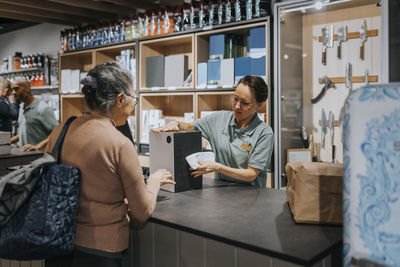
349,86
323,127
331,127
327,41
363,38
341,37
366,76
304,137
328,84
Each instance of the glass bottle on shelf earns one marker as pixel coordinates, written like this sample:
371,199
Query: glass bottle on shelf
62,35
160,23
177,20
220,12
17,60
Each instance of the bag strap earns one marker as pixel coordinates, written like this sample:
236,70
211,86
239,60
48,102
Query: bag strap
60,140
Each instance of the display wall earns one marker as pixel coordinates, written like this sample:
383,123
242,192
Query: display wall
43,37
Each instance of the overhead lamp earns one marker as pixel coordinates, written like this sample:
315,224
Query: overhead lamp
318,5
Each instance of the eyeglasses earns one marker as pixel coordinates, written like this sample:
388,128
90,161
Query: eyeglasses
135,98
243,103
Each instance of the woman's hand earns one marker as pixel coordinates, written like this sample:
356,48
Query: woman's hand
163,175
30,147
172,126
206,167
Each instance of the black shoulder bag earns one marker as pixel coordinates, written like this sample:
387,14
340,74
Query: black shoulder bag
38,207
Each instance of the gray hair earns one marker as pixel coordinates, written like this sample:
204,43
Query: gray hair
110,80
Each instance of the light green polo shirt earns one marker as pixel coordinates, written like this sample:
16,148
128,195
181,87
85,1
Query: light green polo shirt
238,147
35,123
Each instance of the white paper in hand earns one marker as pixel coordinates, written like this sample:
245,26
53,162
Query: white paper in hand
195,158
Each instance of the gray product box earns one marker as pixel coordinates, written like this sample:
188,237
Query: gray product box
176,70
168,150
227,72
155,71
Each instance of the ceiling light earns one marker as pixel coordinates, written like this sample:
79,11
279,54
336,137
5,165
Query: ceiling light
318,5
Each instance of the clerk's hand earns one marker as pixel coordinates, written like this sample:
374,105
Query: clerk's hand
172,126
163,175
206,167
30,147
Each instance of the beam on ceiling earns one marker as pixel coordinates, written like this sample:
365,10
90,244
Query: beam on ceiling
16,26
17,16
44,14
133,4
99,6
56,7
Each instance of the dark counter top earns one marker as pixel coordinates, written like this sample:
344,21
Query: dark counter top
16,152
257,219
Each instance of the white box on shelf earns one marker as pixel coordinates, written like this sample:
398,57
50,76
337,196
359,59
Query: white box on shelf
75,79
227,72
65,80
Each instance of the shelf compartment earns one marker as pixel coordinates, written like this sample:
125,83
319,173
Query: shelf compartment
210,101
72,105
178,45
202,43
106,54
79,60
173,106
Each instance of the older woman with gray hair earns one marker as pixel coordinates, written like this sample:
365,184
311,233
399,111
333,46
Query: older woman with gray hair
110,171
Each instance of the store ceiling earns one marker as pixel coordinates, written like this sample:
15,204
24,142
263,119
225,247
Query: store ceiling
74,12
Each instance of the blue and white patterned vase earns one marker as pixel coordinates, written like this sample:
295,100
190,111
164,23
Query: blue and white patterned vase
371,184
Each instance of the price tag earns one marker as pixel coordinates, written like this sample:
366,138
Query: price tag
214,86
202,86
155,88
171,88
227,86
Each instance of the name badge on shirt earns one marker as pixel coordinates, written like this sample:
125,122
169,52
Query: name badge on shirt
245,147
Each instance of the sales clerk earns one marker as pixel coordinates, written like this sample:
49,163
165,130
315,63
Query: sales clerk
242,143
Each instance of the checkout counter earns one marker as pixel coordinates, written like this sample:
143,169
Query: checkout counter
17,157
226,224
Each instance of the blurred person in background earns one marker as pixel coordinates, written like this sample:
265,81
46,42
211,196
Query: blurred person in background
36,120
8,106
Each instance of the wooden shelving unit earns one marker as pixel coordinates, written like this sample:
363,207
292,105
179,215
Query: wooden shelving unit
173,101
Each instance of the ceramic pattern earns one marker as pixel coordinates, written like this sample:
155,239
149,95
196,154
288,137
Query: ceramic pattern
371,207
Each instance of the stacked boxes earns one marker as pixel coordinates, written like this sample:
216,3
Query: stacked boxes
170,71
227,63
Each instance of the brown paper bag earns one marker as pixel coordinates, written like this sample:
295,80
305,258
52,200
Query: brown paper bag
314,192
